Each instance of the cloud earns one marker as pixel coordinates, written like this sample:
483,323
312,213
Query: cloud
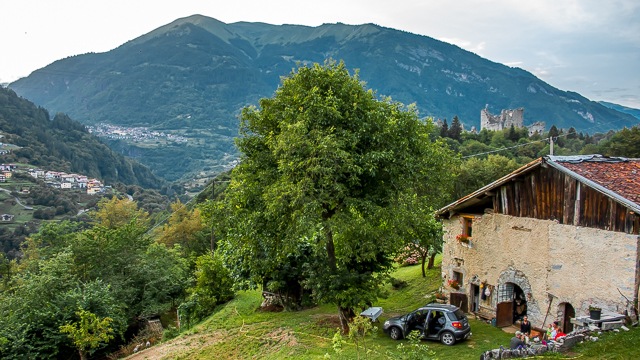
466,44
513,63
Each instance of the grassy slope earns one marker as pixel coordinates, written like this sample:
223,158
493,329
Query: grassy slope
239,331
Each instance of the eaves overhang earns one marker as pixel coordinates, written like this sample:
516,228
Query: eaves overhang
552,161
485,191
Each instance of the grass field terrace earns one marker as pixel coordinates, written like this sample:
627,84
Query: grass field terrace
239,330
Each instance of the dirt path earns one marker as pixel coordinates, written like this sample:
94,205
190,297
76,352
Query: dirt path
181,346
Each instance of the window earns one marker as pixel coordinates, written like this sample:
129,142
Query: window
505,292
467,226
457,315
457,276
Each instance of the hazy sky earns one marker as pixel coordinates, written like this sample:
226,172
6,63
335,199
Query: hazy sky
588,46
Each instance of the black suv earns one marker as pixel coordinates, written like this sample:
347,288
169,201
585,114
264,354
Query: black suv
440,322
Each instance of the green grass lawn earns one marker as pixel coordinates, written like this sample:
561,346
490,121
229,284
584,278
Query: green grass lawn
240,331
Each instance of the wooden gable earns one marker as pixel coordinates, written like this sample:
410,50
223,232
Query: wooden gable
589,191
549,194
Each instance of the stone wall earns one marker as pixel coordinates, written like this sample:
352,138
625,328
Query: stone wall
503,121
537,127
581,266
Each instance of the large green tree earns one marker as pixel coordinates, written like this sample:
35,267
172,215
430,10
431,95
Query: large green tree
626,142
324,164
477,172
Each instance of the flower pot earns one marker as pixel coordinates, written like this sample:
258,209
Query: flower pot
595,314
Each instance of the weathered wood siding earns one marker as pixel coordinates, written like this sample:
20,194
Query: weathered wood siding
547,193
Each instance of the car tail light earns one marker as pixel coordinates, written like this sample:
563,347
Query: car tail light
457,324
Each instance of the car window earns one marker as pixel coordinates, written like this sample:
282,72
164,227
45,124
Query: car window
451,316
459,314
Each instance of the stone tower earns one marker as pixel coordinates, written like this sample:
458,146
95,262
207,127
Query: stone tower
503,121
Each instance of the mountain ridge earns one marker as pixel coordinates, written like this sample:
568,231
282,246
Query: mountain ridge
625,109
193,76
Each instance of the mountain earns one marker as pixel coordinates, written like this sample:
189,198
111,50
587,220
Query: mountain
61,144
624,109
191,78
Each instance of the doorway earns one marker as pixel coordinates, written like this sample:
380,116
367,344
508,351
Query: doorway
566,312
475,296
512,304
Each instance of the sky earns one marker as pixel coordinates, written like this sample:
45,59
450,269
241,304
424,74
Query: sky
588,46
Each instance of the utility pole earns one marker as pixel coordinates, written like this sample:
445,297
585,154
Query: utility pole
213,235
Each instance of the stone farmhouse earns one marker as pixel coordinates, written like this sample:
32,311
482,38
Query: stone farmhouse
548,240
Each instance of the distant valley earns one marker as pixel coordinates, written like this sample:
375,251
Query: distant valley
190,78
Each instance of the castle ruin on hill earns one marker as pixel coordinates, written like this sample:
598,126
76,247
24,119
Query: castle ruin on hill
503,121
506,119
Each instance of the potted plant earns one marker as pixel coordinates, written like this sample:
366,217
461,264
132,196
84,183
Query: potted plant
595,312
454,284
463,238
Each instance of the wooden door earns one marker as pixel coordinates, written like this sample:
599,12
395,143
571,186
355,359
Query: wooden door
460,300
504,314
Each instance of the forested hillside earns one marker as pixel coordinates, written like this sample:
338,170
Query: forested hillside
63,144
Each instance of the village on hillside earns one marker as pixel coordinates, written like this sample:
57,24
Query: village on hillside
135,134
55,179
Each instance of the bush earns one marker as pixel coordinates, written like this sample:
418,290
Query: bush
213,286
407,257
397,283
170,332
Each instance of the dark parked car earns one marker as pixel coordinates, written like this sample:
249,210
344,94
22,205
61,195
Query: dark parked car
440,322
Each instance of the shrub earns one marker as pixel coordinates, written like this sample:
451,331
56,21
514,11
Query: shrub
170,332
397,283
213,287
407,257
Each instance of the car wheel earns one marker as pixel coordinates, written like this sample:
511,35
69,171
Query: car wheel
395,333
447,338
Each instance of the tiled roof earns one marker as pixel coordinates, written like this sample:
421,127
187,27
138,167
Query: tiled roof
621,176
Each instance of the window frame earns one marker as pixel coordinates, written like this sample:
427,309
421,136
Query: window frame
467,225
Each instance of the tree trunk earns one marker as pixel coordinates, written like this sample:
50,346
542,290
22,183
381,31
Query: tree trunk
424,259
83,355
345,314
432,260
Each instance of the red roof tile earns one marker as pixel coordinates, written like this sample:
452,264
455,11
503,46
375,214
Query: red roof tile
622,178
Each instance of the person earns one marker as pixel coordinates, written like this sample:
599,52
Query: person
554,331
525,326
557,333
549,332
516,341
